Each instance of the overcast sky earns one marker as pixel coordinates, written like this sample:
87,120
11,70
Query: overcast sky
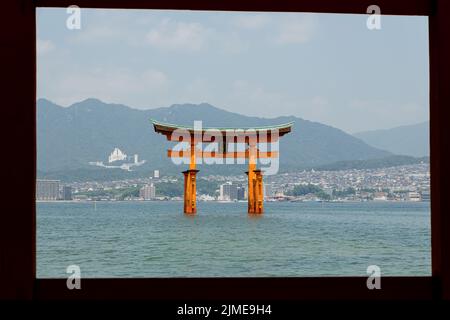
321,67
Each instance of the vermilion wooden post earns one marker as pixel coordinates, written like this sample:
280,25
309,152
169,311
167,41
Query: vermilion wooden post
190,183
190,189
255,193
251,195
259,192
186,190
251,189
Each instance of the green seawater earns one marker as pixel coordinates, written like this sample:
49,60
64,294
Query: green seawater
155,239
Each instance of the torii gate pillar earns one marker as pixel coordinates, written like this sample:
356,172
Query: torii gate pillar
190,190
190,183
255,193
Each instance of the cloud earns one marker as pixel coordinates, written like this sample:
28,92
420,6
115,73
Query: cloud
250,98
44,46
138,30
296,29
170,34
196,91
320,101
102,26
97,34
118,86
252,21
232,43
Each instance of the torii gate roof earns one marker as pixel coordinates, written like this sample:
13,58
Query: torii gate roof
167,128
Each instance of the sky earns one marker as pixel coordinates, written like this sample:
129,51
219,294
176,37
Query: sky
327,68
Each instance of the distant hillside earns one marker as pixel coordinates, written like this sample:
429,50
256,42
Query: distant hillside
100,174
69,138
412,140
391,161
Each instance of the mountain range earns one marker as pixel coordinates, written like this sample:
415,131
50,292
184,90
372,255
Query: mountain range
68,138
411,140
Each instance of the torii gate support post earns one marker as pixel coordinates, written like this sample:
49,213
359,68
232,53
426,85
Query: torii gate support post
190,190
255,195
259,192
190,183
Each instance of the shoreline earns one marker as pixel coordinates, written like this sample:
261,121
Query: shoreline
229,202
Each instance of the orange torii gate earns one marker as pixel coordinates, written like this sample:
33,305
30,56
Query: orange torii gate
250,137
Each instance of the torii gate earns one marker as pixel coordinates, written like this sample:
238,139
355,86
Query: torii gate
250,137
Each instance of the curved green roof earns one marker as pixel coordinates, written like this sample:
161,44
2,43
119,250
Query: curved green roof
158,125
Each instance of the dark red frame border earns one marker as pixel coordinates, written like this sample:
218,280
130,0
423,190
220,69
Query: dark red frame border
18,225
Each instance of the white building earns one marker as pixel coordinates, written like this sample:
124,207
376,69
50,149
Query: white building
116,155
380,196
414,196
147,192
118,159
47,190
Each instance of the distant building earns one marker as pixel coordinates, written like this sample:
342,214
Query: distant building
156,174
241,195
228,192
116,155
205,197
147,192
380,196
66,193
118,159
413,196
47,190
425,195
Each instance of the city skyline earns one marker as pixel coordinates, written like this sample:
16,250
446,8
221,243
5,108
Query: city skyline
397,183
